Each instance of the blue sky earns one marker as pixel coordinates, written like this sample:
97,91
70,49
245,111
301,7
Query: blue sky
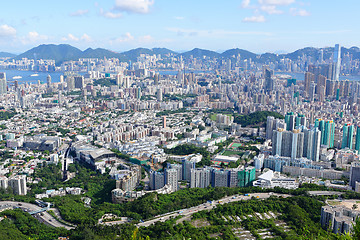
256,25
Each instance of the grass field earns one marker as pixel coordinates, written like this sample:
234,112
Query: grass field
235,145
230,153
213,116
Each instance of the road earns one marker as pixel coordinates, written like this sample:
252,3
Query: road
207,206
43,217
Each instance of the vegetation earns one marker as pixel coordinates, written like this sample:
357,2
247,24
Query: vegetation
187,149
256,118
7,115
21,225
107,82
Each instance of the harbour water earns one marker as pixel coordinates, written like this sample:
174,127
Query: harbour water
30,77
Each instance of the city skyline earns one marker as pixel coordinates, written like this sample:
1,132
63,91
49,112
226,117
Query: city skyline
258,26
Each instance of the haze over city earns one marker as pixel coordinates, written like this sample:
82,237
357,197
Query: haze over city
255,25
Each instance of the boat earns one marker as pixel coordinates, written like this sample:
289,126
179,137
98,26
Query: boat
17,77
34,75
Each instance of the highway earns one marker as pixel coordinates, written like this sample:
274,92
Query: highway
43,217
208,206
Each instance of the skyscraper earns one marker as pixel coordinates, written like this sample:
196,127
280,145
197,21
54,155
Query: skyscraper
348,134
171,178
312,142
3,83
357,141
336,62
269,81
79,82
48,81
288,143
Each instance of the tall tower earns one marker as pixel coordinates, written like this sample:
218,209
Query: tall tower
3,83
269,81
48,81
336,62
357,141
348,133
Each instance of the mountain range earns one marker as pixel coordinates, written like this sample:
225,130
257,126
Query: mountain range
65,52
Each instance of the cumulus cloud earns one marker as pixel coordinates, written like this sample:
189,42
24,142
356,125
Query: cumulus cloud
255,19
125,38
86,38
109,14
79,13
134,6
70,37
270,9
35,37
245,3
276,2
7,31
179,18
299,12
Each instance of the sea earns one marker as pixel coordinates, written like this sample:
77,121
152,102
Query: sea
301,76
30,76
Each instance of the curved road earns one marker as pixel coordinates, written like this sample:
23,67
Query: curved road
207,206
43,217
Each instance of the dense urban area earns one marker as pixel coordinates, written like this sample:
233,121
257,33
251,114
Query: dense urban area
152,144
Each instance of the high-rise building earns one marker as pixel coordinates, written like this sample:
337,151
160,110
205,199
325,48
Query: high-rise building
312,142
290,121
18,184
309,78
200,177
246,176
273,124
171,178
79,82
354,174
159,95
269,80
219,178
288,143
157,180
357,140
3,83
48,81
4,183
70,83
336,62
186,169
348,134
327,129
164,121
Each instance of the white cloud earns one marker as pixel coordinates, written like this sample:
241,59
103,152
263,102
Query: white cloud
146,39
270,9
109,14
255,19
35,37
276,2
215,32
299,12
86,38
70,37
179,18
134,6
245,3
7,31
125,38
79,13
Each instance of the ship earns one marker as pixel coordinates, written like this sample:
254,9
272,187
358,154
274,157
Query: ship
17,77
34,75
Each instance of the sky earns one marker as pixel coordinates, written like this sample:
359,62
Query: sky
256,25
